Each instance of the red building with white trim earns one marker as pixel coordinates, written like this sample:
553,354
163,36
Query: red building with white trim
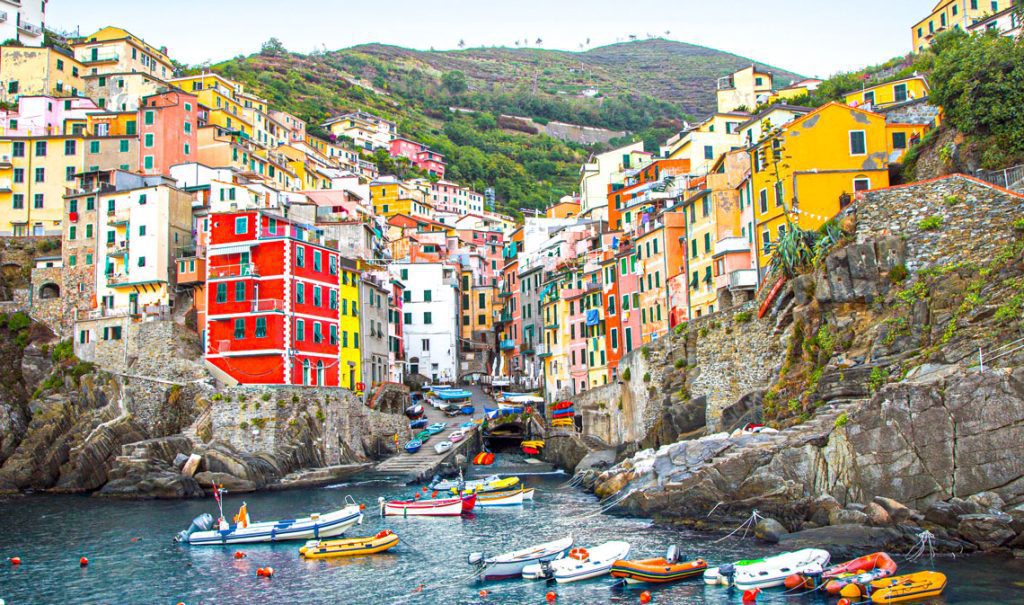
272,301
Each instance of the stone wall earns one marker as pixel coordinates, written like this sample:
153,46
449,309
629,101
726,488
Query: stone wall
49,311
976,219
919,111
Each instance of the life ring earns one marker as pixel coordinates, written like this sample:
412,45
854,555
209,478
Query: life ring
580,554
383,534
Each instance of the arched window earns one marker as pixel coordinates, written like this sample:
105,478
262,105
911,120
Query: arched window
320,373
305,372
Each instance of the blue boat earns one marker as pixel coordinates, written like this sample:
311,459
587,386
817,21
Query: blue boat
468,410
418,424
453,394
437,427
503,411
413,446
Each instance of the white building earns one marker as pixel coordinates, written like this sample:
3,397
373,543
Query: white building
1005,22
366,130
430,312
598,173
452,197
23,21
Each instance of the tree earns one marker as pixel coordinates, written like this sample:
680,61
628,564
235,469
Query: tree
455,82
272,48
462,43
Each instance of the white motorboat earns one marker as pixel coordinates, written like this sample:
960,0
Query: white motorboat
500,499
581,564
510,565
769,571
313,527
443,447
443,507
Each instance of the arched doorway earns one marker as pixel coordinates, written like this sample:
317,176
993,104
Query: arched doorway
320,373
305,372
48,291
414,365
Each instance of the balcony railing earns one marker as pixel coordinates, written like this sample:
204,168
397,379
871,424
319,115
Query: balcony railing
508,344
543,351
30,28
229,271
732,244
117,248
5,185
743,278
268,306
117,279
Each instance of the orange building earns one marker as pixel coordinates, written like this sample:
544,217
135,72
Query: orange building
167,126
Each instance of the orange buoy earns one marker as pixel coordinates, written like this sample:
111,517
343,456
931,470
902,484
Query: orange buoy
433,494
580,554
645,597
483,594
843,602
135,539
750,596
239,554
362,507
793,581
416,497
15,560
83,561
551,597
424,488
264,572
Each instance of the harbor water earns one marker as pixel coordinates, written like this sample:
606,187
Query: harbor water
132,558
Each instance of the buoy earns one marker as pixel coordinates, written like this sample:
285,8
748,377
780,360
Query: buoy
750,596
434,494
264,572
645,597
135,539
83,561
793,581
362,507
416,497
551,597
239,554
843,602
483,594
850,590
424,488
15,560
419,588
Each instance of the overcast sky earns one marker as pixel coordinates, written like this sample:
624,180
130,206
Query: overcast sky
808,37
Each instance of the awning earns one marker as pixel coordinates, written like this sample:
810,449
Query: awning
230,249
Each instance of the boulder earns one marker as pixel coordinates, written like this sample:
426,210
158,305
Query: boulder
877,515
847,540
180,459
821,508
987,531
599,460
944,514
161,485
232,484
847,517
191,465
897,512
988,501
769,530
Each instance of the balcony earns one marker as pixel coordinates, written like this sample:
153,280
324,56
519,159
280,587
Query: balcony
108,57
5,161
543,351
268,306
191,270
730,245
117,279
3,16
117,248
502,317
743,279
508,344
5,185
118,218
30,28
232,271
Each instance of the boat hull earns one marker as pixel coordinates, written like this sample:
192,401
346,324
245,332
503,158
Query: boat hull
511,565
910,587
505,500
449,507
657,571
325,526
352,547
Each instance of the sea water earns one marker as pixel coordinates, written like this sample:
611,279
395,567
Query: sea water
133,559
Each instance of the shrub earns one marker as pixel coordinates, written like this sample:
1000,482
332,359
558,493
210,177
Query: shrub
1019,224
841,420
243,425
259,422
702,332
953,200
743,317
295,398
898,274
217,397
625,375
280,404
320,415
265,397
679,363
18,321
62,351
646,352
877,378
647,377
931,223
679,329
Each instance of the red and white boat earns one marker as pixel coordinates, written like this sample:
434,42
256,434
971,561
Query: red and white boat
442,507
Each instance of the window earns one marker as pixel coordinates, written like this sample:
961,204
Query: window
317,296
19,175
300,256
261,327
899,140
709,152
72,232
858,143
407,318
405,274
70,147
222,292
124,146
707,244
142,261
782,232
148,162
41,148
242,225
18,201
317,260
334,334
763,199
142,230
94,147
318,334
334,300
40,175
38,201
693,248
148,118
300,293
780,193
427,296
861,184
239,291
428,318
766,241
88,231
900,92
300,330
239,329
18,149
69,173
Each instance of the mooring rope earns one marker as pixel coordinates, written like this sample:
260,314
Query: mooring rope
745,526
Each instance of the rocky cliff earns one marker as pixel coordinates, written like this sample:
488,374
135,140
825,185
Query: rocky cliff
872,390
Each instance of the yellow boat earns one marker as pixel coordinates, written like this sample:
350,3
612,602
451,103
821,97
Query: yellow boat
537,444
349,547
496,485
910,587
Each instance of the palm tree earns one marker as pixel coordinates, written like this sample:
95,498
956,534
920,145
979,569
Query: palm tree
540,42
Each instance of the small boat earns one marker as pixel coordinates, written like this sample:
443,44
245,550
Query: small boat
468,502
445,507
510,565
443,447
456,436
857,572
491,484
910,587
414,411
467,425
349,547
467,410
499,499
418,424
581,564
202,532
424,436
436,428
530,451
413,446
484,459
537,443
561,405
768,572
452,394
451,410
658,571
460,483
527,493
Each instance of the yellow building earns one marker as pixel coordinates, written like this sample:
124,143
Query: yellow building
34,175
744,89
950,15
349,355
807,171
705,142
224,99
701,227
122,91
115,50
391,197
594,333
889,93
30,71
794,90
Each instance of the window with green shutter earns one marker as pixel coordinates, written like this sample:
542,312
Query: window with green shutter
222,292
239,329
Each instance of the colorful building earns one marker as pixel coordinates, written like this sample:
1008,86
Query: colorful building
419,155
392,197
32,71
115,50
744,89
168,123
223,98
270,287
366,131
604,170
350,329
948,15
703,143
24,22
34,175
882,95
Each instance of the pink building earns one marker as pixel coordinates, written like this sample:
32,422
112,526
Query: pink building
419,155
46,116
452,197
576,347
167,130
296,127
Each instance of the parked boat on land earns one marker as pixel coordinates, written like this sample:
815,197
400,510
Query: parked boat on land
770,571
414,411
418,424
660,570
581,564
349,547
511,564
436,428
413,446
203,532
443,447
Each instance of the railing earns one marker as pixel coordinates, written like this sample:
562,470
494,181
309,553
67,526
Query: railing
5,185
117,248
240,270
508,344
1008,178
114,280
743,278
732,244
30,28
191,252
267,306
542,351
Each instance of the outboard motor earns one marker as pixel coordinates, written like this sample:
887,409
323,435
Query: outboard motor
672,554
815,577
475,558
728,573
203,522
546,571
